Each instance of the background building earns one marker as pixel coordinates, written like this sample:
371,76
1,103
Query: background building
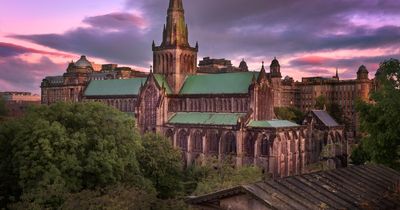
18,102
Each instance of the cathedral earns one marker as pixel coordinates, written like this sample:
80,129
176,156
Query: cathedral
214,109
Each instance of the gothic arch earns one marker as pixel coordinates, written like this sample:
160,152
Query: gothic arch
266,146
213,145
169,134
249,145
182,142
197,141
230,144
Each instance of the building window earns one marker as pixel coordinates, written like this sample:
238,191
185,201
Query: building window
249,146
265,147
230,143
214,143
182,140
198,142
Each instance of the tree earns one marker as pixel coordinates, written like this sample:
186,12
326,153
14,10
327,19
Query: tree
162,164
217,175
334,109
380,119
289,113
67,148
3,107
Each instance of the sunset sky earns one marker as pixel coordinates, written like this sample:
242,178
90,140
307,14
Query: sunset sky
309,37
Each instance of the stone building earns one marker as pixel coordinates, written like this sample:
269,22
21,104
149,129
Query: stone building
70,86
210,113
18,102
345,93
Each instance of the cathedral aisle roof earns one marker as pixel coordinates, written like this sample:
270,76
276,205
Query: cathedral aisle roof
272,124
206,118
227,83
115,87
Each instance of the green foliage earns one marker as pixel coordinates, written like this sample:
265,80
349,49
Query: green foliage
162,164
3,108
359,156
67,148
122,197
380,120
217,175
334,109
289,113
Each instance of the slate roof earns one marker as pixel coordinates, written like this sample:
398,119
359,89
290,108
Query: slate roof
272,124
205,118
361,187
325,118
226,83
115,87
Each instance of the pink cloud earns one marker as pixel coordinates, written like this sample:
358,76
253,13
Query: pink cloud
9,49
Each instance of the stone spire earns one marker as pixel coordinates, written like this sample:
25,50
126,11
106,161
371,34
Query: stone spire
262,75
175,31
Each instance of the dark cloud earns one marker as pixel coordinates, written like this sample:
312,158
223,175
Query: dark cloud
231,28
20,75
9,49
117,20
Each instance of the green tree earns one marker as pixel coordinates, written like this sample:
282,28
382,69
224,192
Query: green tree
64,148
162,164
380,119
217,175
3,107
289,113
334,109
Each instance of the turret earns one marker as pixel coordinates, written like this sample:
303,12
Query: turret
275,68
362,73
243,66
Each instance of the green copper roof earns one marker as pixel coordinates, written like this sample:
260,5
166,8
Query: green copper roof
226,83
161,80
205,118
116,87
272,124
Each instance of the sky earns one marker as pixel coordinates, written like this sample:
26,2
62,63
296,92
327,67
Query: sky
309,37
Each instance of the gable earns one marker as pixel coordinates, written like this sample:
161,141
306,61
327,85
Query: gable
115,87
325,118
226,83
161,81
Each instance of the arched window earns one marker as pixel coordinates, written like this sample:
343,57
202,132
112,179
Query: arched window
198,142
170,135
213,143
249,145
230,143
182,140
265,147
150,106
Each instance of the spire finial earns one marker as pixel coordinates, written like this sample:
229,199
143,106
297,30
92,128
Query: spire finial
151,69
263,64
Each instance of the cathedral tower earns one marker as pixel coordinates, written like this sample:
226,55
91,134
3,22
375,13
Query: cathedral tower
175,58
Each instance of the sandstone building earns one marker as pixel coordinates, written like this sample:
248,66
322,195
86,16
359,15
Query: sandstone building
215,109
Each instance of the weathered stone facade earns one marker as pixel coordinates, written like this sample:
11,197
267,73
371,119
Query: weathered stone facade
215,114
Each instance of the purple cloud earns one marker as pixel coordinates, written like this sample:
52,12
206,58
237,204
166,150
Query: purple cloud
9,49
20,75
116,20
